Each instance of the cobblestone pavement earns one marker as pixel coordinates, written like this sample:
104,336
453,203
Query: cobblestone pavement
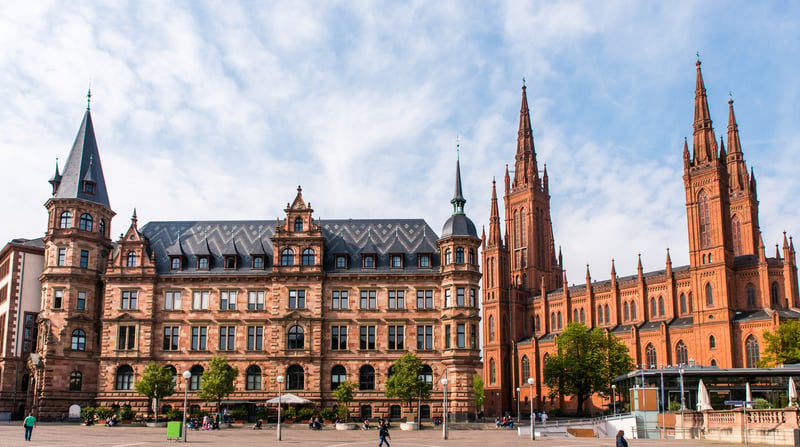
54,434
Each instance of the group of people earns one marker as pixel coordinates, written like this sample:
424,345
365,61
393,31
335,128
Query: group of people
505,421
315,424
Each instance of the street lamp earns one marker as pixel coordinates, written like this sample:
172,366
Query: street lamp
533,422
518,396
444,409
683,402
614,398
663,403
279,379
186,375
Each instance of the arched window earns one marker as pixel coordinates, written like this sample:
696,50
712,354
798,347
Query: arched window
78,340
574,314
653,310
683,303
545,359
526,368
652,356
448,257
308,256
296,337
85,222
102,227
704,219
366,378
516,229
366,412
713,362
625,312
426,374
608,314
492,372
65,221
583,316
197,376
124,377
538,326
559,319
460,255
753,354
471,259
712,342
553,321
751,295
661,306
253,378
681,353
522,238
736,235
338,376
174,373
395,412
287,256
131,259
295,378
599,314
690,301
773,294
709,294
298,225
491,327
633,310
75,381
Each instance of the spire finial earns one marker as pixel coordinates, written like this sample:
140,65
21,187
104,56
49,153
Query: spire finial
458,147
89,97
730,96
523,82
698,58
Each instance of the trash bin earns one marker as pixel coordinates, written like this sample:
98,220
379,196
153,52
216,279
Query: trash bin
797,437
174,430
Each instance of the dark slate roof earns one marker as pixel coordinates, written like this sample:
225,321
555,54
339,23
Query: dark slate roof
762,314
350,237
459,225
650,326
622,328
82,164
682,322
35,243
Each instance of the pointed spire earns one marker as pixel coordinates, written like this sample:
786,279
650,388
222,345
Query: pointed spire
752,180
560,258
639,269
722,154
545,181
613,269
785,241
134,220
761,253
458,200
525,170
686,158
588,275
704,141
89,98
734,144
494,219
669,263
56,180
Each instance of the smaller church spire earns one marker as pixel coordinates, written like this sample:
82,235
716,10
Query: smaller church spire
134,220
588,275
458,200
669,264
734,144
495,238
56,180
703,135
639,269
613,270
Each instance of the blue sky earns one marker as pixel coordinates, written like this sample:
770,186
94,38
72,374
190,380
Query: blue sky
218,110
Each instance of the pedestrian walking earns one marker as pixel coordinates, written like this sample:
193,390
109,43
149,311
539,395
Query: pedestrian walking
29,423
621,442
383,435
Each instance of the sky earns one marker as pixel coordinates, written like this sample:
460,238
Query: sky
220,109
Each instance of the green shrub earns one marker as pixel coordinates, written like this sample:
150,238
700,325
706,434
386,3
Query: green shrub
86,412
240,414
126,413
328,414
263,413
762,404
289,413
305,413
103,412
174,414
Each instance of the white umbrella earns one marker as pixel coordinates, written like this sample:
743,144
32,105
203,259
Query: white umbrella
748,396
792,392
703,401
289,398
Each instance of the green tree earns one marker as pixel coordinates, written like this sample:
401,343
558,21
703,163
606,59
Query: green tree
156,383
344,395
478,393
217,381
406,382
585,362
783,347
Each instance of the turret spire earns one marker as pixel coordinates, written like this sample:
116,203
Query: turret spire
56,180
525,169
737,168
704,142
458,200
494,219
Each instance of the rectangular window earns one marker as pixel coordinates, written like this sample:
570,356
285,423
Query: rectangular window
81,303
2,327
297,299
424,299
172,300
341,261
29,333
227,338
200,300
255,300
84,259
424,337
129,298
367,337
461,336
397,261
126,337
473,336
447,301
447,337
255,338
473,293
339,299
460,296
396,299
338,338
199,337
369,262
171,338
368,300
62,257
396,337
227,300
3,294
58,298
424,261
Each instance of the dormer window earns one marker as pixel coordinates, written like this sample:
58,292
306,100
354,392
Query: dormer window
396,261
369,262
341,261
258,262
202,263
298,225
88,187
132,259
175,263
424,261
230,262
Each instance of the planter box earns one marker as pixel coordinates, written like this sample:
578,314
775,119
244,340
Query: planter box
346,426
407,426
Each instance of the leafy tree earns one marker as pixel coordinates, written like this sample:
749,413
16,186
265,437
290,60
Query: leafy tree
585,362
344,394
156,382
477,392
217,382
406,383
783,346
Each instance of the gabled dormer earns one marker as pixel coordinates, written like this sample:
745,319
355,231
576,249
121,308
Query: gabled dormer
230,255
396,252
298,241
258,258
203,255
132,251
369,253
177,257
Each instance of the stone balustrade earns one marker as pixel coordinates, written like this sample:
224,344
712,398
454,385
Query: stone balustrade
772,426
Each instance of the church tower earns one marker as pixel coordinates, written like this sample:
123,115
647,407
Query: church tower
76,246
745,229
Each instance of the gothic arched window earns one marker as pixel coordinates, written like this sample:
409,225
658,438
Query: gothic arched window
491,327
625,312
633,310
526,368
575,315
608,314
753,354
652,356
709,294
583,317
559,319
751,295
712,342
736,235
773,294
492,371
704,219
683,303
538,326
599,314
653,312
661,306
681,353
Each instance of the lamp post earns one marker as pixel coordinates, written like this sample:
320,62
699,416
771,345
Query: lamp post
614,398
518,399
279,379
663,403
533,422
683,402
444,408
186,375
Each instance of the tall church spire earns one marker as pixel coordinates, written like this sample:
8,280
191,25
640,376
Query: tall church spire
737,168
525,169
704,142
495,239
83,174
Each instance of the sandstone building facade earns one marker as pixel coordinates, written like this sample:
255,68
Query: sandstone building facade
712,312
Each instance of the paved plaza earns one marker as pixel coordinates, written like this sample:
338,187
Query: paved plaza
59,434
